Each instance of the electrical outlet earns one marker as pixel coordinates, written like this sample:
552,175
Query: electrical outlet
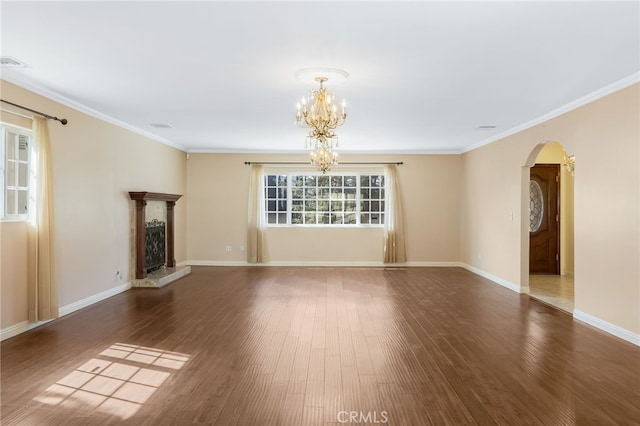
228,249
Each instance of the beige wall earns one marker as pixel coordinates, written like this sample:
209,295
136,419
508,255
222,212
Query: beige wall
604,137
13,272
94,165
554,153
217,213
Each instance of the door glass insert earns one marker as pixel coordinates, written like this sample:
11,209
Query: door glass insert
536,206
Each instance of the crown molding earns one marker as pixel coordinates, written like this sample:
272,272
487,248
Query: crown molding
340,152
584,100
28,84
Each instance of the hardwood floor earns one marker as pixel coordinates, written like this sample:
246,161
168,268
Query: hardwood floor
306,346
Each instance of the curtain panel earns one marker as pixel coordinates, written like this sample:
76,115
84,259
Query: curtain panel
256,226
42,288
394,246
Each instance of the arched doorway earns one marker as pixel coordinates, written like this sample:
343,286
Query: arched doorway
547,225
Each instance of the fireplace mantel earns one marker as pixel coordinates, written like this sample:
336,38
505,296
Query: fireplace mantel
141,198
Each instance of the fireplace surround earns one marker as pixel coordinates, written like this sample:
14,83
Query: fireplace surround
165,275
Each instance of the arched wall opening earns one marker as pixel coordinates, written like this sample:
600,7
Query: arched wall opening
555,286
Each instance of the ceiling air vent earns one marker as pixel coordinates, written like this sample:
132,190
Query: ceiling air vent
9,62
161,125
487,127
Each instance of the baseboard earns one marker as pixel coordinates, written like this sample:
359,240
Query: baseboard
88,301
341,263
495,279
607,327
21,327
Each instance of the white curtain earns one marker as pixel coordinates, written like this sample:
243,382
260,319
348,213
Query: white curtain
256,227
394,247
42,288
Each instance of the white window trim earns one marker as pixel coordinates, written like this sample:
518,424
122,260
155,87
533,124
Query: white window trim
4,129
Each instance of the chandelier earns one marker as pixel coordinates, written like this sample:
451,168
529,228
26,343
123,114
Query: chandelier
320,114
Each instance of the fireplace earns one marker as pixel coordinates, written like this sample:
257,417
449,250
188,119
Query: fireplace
154,239
155,245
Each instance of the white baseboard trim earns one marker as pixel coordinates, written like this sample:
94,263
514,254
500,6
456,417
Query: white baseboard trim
88,301
495,279
344,264
21,327
607,327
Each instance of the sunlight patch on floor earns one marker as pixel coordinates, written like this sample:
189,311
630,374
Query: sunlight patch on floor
117,388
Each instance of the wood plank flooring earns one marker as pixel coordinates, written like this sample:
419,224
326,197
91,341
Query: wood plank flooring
320,346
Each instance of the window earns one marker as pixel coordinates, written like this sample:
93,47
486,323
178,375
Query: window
15,174
315,199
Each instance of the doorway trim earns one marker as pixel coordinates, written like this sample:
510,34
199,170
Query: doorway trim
524,214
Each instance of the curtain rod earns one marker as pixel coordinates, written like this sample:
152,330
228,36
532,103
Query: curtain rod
397,163
47,116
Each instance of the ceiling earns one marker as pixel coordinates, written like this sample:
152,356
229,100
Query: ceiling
423,75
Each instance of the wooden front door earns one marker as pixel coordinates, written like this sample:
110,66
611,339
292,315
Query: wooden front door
544,219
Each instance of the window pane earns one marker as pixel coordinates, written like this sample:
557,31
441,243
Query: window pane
375,193
271,218
350,206
282,180
350,181
11,145
375,206
296,218
375,218
23,202
282,218
323,181
297,180
382,193
296,193
376,180
364,193
296,206
337,218
282,193
323,218
11,201
271,193
310,205
364,206
323,206
11,173
282,205
23,175
364,219
23,149
350,193
336,194
323,193
310,218
336,206
364,180
381,206
310,181
271,180
350,218
271,205
336,180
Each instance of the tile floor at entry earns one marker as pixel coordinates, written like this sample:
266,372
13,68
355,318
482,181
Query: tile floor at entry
556,290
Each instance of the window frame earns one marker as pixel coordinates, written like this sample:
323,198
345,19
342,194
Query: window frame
289,198
5,129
